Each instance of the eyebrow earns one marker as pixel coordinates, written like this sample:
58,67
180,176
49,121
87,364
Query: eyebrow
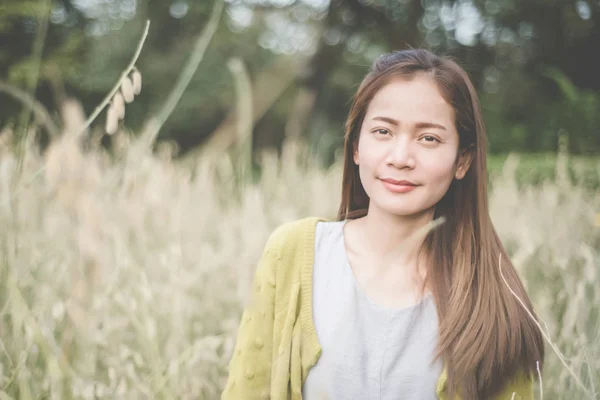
418,125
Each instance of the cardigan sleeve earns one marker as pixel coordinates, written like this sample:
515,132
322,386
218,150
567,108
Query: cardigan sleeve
522,387
250,366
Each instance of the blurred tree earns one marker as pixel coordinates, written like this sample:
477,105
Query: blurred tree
505,45
527,108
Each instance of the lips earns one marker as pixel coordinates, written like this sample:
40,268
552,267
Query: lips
398,186
400,183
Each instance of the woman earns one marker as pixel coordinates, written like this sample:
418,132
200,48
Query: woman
371,306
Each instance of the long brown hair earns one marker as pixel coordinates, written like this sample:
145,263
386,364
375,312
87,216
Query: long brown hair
485,335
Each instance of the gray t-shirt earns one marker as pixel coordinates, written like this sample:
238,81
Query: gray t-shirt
368,351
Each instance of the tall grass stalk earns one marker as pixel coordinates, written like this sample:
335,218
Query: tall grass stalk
34,71
156,121
244,121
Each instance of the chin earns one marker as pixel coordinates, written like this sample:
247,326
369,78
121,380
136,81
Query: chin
406,213
402,210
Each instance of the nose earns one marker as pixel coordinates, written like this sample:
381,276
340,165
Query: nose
401,153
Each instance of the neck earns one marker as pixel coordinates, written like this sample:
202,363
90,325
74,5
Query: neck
396,240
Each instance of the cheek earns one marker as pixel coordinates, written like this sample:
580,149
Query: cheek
370,152
441,167
367,166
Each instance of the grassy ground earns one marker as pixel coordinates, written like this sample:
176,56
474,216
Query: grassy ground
123,276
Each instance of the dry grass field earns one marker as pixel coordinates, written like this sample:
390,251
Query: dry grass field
122,275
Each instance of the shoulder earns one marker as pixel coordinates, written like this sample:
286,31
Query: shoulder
292,236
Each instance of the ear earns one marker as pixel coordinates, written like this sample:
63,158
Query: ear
465,158
355,154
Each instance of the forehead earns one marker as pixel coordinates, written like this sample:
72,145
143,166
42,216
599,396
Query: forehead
411,101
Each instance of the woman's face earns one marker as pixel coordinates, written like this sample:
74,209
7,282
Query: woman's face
408,148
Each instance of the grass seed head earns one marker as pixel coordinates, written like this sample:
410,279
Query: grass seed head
118,104
112,120
136,77
127,90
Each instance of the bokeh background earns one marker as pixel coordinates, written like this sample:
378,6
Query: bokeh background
126,258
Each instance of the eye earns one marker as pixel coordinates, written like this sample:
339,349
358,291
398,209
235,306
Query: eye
430,139
381,131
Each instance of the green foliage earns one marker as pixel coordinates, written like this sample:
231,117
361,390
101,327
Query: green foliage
88,44
539,168
578,113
